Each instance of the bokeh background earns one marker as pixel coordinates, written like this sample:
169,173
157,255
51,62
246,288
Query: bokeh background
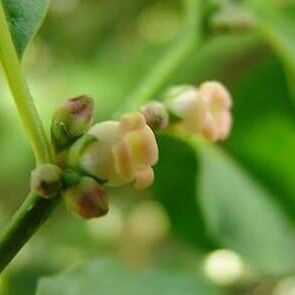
227,217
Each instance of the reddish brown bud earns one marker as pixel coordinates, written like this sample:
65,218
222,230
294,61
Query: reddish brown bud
71,120
156,115
86,199
46,180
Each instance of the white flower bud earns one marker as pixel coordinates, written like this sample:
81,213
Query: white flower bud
186,104
122,152
205,110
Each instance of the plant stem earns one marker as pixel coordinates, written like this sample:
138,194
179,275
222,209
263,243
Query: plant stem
180,51
26,221
159,74
21,93
35,210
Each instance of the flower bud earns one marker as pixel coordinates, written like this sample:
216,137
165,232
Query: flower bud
86,199
218,119
46,180
117,153
205,110
185,104
71,120
156,115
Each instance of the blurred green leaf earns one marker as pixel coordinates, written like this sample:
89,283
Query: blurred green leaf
263,142
25,18
107,276
242,215
278,26
174,187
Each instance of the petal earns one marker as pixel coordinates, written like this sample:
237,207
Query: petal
224,122
107,132
184,101
216,95
195,116
144,178
209,129
144,147
132,121
123,160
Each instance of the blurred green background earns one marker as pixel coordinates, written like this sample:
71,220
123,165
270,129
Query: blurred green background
224,214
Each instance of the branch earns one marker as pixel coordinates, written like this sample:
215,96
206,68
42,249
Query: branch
26,221
35,210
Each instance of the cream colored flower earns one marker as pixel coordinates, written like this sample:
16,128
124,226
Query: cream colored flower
205,110
122,152
218,119
187,105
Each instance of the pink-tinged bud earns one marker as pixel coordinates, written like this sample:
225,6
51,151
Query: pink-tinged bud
71,120
86,199
156,115
184,102
46,180
122,152
205,110
218,120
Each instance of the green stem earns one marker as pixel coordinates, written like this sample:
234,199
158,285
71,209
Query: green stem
35,210
26,221
180,51
21,93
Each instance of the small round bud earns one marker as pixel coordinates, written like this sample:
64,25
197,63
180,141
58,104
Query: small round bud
156,115
71,120
46,180
86,199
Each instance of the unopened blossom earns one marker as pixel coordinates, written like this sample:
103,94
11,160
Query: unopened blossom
86,199
184,102
46,180
71,120
218,119
118,152
204,110
156,115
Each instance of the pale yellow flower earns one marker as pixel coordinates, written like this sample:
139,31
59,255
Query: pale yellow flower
124,151
204,110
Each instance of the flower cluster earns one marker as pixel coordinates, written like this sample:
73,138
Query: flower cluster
115,153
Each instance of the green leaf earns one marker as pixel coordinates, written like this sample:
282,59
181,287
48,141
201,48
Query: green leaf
174,187
107,276
277,26
242,215
264,141
25,18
